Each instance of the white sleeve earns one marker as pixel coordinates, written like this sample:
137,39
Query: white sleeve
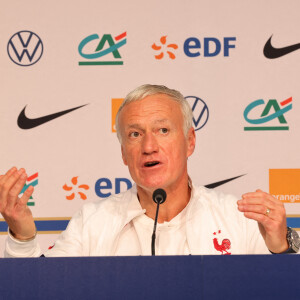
16,248
69,242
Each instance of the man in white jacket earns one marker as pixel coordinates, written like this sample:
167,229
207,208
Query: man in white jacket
154,126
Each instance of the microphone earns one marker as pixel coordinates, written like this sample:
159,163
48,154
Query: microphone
159,197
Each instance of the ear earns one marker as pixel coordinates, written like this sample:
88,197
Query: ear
191,141
123,156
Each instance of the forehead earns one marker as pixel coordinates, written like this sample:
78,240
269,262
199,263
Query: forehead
159,106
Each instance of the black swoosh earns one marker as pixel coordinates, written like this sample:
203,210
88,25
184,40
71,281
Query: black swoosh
271,52
26,123
216,184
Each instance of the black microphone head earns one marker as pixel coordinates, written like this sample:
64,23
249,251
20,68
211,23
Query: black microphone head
159,196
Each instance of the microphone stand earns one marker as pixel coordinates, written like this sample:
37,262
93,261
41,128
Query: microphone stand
159,196
154,230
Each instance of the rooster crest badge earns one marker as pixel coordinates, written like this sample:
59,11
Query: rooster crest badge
226,244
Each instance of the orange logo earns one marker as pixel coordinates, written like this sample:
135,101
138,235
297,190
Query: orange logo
115,105
164,47
70,188
284,184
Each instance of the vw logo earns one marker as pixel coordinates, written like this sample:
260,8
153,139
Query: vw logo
25,48
200,111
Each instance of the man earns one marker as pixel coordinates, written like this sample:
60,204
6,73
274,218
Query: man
154,126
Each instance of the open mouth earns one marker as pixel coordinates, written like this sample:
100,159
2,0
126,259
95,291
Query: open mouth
150,164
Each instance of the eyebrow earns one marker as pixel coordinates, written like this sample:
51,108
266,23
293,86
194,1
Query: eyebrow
162,121
133,126
136,125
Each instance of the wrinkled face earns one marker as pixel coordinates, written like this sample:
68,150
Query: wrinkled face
154,146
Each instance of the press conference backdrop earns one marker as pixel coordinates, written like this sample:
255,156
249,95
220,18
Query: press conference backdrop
67,65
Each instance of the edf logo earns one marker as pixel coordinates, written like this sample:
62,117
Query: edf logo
104,186
209,47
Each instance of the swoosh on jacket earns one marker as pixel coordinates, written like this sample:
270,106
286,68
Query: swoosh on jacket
28,123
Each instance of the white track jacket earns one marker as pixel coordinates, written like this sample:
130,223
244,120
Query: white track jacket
213,226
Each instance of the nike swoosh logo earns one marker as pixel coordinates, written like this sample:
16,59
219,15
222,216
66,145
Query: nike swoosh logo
271,52
216,184
27,123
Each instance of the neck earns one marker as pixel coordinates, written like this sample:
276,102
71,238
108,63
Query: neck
177,200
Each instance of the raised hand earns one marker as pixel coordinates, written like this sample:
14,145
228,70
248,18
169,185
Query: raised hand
270,215
14,209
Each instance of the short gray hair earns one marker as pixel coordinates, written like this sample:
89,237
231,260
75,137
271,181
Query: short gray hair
145,90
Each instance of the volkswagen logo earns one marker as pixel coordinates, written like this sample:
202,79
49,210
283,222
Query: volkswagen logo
25,48
200,111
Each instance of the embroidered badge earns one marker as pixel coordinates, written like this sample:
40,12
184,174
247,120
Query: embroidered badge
49,248
226,244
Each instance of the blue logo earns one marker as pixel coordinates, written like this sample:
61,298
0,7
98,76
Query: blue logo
104,187
210,47
200,111
25,48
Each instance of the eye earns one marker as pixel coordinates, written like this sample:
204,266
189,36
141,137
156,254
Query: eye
134,134
164,130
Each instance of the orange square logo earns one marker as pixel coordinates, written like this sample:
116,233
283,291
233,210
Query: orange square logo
115,105
284,184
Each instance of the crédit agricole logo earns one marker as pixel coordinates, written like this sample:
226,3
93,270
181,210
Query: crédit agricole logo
259,113
108,46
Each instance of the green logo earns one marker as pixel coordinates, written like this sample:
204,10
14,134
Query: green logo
271,111
31,180
107,45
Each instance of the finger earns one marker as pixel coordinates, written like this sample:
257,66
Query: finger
27,194
260,209
262,219
15,191
6,185
257,193
7,174
10,171
260,198
18,186
274,214
11,178
266,203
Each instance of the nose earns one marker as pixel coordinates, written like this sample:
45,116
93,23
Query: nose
149,144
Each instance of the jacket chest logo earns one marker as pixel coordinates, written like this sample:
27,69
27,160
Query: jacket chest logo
224,246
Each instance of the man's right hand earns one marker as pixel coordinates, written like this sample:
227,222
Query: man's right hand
14,209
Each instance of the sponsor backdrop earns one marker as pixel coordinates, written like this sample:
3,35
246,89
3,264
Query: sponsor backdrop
66,66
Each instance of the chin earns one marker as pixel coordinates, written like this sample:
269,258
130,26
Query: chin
151,184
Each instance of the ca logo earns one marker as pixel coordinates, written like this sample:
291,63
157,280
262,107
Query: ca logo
266,116
100,51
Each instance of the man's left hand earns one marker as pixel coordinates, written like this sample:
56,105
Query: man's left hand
270,215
